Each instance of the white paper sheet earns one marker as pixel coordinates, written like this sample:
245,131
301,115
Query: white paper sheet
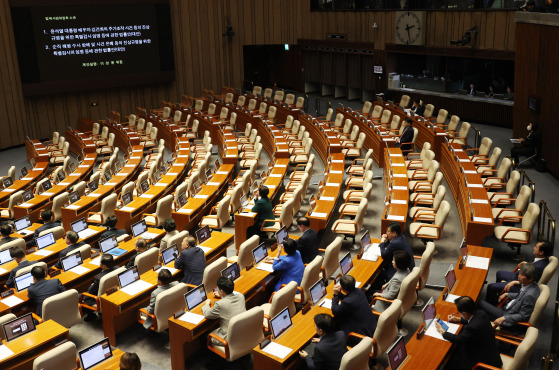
148,235
86,233
12,300
265,267
475,185
9,190
96,261
3,271
327,198
433,332
483,219
192,318
336,172
25,205
128,209
110,184
129,165
201,196
372,252
400,187
319,214
249,214
451,298
222,172
43,252
5,352
331,184
477,262
480,201
172,174
185,210
25,232
94,195
47,194
213,183
27,178
79,270
149,196
136,287
277,350
470,172
161,184
395,217
398,201
205,249
73,206
398,165
327,303
276,175
400,175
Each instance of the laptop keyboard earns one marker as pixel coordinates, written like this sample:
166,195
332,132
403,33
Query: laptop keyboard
310,348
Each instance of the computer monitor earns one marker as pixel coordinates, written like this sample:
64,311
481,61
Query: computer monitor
71,261
197,187
5,256
107,176
318,291
24,171
450,278
232,271
118,167
27,195
244,200
281,235
46,185
429,313
23,281
71,167
44,241
346,263
108,243
181,200
61,176
144,186
127,198
259,253
397,354
208,173
216,164
129,276
195,297
95,354
156,177
79,225
93,185
203,234
366,239
22,223
169,254
17,327
280,323
7,182
139,227
312,203
73,197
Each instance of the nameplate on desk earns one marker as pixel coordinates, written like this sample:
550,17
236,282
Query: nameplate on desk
478,262
319,214
185,210
441,133
335,144
395,155
135,157
121,174
129,165
231,140
205,249
148,196
28,178
399,188
398,165
73,206
332,137
3,271
172,174
25,205
128,209
331,184
395,218
398,201
110,184
222,172
90,145
327,198
280,165
183,156
46,194
233,155
270,186
480,201
161,184
94,195
475,185
336,172
470,172
399,175
201,196
483,219
457,149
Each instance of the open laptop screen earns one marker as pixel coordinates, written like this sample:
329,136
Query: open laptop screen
195,297
280,323
318,291
139,227
429,313
232,271
127,198
93,185
450,278
47,185
22,223
128,277
79,225
203,234
71,261
27,195
144,186
346,263
45,240
95,354
18,327
7,181
366,239
397,354
23,281
259,253
73,197
5,256
108,243
181,200
169,254
281,235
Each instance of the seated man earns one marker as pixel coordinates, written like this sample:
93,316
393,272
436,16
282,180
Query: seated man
406,137
476,341
164,282
5,231
351,308
330,345
107,266
191,261
230,305
141,246
508,281
307,244
290,267
390,242
71,240
417,107
170,227
521,304
18,254
42,288
110,224
46,216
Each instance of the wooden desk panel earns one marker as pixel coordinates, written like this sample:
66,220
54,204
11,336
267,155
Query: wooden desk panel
396,184
35,174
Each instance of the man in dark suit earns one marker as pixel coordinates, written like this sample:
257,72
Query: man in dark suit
141,246
417,107
476,342
520,305
508,281
330,345
71,240
46,216
390,242
107,266
406,137
18,254
351,308
6,230
110,224
191,261
42,288
307,244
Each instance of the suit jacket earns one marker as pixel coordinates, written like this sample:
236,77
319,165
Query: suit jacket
10,283
387,250
112,231
475,343
224,310
353,313
168,235
531,141
192,262
521,305
291,268
151,307
393,288
264,211
48,225
42,290
308,245
7,239
328,352
94,287
132,261
540,265
407,137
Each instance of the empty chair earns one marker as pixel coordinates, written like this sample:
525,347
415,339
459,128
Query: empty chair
431,231
61,357
355,151
404,101
58,156
499,181
482,152
108,206
351,227
521,356
425,268
310,277
268,92
146,260
220,219
58,202
357,167
428,213
150,141
462,137
63,308
421,173
212,272
429,109
415,185
504,198
163,211
357,358
331,262
515,236
300,103
412,162
244,256
9,317
355,195
278,302
520,204
359,182
278,95
488,167
15,198
452,125
166,304
441,118
192,132
256,90
108,147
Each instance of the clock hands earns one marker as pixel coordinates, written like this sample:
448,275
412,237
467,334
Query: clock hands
408,28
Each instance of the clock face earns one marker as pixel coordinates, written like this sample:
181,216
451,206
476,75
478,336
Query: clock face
409,28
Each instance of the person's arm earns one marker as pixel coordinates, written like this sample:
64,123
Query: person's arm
10,282
61,288
280,264
526,309
392,289
94,287
151,305
179,262
211,312
309,360
339,307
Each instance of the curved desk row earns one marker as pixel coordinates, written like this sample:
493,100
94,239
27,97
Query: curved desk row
397,188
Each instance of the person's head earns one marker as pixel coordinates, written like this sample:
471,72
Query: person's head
111,221
289,246
416,102
491,88
472,85
130,361
6,229
401,260
17,253
509,89
347,282
71,237
409,121
225,285
543,250
324,324
532,126
169,225
303,223
527,273
46,215
188,242
530,5
164,277
465,305
141,245
393,230
263,191
107,261
38,273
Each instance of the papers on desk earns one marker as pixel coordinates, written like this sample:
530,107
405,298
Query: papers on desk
79,270
136,287
475,185
46,194
464,159
201,196
433,332
277,350
148,235
213,183
25,232
43,252
398,165
96,261
29,179
337,161
223,172
73,206
83,166
480,201
9,190
400,175
86,233
441,133
12,300
94,195
275,175
170,269
128,209
483,219
161,184
129,165
149,196
5,352
332,184
327,198
477,262
451,298
192,318
3,271
25,205
185,210
249,214
371,253
397,201
265,267
395,218
172,174
400,187
121,174
395,155
280,165
515,141
470,172
110,184
327,303
336,172
205,249
319,214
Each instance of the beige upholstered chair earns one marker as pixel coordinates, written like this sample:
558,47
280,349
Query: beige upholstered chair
236,195
355,151
176,239
18,243
107,281
26,269
268,92
357,167
351,227
359,182
331,262
243,334
61,357
404,101
250,157
278,301
428,213
377,112
192,132
429,109
63,308
163,211
212,272
290,99
166,304
487,167
84,250
441,118
80,188
245,257
505,198
220,219
462,137
310,277
146,260
521,356
430,231
425,268
520,204
58,156
108,148
515,236
256,90
431,173
9,317
549,270
357,358
57,231
108,205
482,151
499,181
420,173
414,160
285,219
279,94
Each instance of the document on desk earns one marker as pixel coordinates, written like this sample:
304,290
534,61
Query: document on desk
478,262
276,349
79,270
5,352
136,287
205,249
96,261
3,271
128,209
327,303
12,300
43,252
433,332
451,298
73,206
265,267
192,318
319,214
372,253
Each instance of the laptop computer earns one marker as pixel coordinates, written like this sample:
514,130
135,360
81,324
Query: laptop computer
118,167
216,164
23,281
346,263
95,354
281,235
73,197
71,261
128,277
17,327
107,176
23,223
450,278
5,256
232,271
156,177
280,323
44,241
71,167
46,185
195,297
110,245
259,253
93,185
318,291
140,230
27,195
169,254
7,182
197,187
203,234
181,200
244,200
61,176
144,186
80,227
24,172
429,313
208,174
366,239
397,354
127,198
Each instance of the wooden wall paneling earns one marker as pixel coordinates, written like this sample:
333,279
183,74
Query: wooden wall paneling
491,28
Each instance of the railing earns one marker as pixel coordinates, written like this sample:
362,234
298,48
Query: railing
525,180
477,137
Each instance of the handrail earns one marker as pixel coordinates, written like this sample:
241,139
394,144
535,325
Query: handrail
477,137
525,180
546,224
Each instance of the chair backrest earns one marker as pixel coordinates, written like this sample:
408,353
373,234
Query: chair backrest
224,113
310,276
9,317
300,102
427,159
395,124
245,332
495,156
61,357
164,209
167,303
357,358
523,198
256,90
146,260
297,198
245,256
229,97
539,306
278,95
464,129
284,298
109,280
176,239
360,140
386,114
549,270
199,104
286,215
530,216
425,264
433,169
166,112
439,197
407,292
485,146
268,92
504,168
523,351
19,242
441,117
80,188
108,205
442,214
241,100
96,127
236,198
453,123
66,166
513,182
272,113
177,116
329,114
141,124
387,328
361,210
26,269
377,111
63,308
367,191
195,125
262,108
223,211
85,251
212,272
429,109
331,261
367,106
211,109
252,104
404,101
289,99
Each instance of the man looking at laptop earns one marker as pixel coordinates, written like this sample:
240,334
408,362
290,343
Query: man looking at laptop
330,345
42,288
351,308
141,246
308,242
18,254
191,261
6,230
110,224
48,223
71,240
107,266
230,305
164,282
